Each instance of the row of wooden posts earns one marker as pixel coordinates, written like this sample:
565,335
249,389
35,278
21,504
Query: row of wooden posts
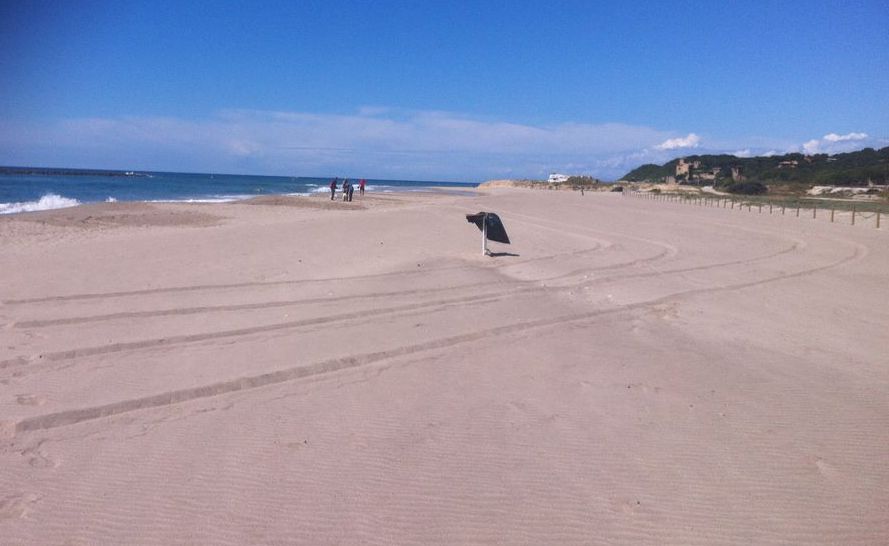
730,203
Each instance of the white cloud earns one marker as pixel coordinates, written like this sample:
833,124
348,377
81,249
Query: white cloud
833,143
373,142
812,147
833,137
690,141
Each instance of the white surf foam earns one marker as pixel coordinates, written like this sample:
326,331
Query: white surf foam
47,202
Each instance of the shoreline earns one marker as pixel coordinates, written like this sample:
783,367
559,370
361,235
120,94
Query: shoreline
50,202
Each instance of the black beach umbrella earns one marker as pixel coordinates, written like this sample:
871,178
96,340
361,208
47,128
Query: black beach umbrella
490,226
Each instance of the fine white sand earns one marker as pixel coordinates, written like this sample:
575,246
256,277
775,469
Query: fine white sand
300,371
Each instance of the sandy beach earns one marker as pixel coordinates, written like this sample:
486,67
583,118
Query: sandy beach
297,371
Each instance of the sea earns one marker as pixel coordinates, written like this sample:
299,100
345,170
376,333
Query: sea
25,189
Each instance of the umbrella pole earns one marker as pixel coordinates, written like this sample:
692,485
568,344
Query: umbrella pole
485,235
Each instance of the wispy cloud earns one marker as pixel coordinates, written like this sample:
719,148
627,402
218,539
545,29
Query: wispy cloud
690,141
833,137
833,143
376,142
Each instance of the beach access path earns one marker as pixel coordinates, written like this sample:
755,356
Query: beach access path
300,371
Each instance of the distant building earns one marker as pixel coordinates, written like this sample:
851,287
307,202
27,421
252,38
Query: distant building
711,175
556,177
684,169
790,164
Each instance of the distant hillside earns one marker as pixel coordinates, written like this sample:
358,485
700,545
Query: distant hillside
850,169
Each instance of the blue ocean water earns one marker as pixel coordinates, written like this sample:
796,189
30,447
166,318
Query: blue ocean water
29,192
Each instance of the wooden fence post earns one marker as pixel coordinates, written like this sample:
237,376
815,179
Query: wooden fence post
770,207
814,210
878,219
797,211
831,214
760,208
853,215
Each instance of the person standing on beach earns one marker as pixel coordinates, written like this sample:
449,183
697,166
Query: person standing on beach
332,188
361,186
345,188
351,189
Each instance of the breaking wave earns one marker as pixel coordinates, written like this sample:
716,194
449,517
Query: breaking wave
47,202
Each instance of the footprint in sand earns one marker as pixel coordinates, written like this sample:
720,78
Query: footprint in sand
38,457
625,505
7,429
665,311
518,406
643,387
826,469
30,399
16,506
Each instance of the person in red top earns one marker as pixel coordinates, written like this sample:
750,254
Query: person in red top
361,186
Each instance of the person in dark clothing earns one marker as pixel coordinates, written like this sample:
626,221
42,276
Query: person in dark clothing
345,188
351,189
332,188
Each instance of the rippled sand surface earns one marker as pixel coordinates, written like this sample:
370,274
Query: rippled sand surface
299,371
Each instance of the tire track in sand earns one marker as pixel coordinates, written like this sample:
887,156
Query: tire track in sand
520,287
70,417
237,307
191,338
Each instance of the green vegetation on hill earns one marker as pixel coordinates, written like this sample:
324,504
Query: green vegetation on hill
849,169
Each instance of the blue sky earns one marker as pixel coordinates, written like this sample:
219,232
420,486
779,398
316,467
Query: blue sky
435,90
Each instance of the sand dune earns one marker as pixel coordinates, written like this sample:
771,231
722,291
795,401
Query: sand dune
292,370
